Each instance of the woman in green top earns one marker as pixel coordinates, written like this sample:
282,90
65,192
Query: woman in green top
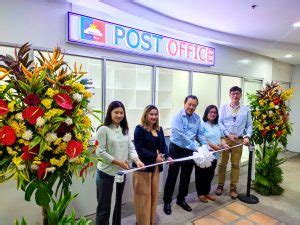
114,150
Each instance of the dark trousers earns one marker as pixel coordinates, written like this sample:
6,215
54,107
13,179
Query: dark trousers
203,177
105,184
185,174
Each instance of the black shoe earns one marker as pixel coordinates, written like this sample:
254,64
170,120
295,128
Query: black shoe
167,208
184,205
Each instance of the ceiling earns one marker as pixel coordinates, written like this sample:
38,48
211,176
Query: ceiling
265,29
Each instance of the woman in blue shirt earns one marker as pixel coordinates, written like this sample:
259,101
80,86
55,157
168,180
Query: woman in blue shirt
212,133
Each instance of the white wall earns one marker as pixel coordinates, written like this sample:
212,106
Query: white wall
281,71
293,141
43,23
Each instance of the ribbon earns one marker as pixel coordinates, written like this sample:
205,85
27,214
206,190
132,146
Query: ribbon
122,172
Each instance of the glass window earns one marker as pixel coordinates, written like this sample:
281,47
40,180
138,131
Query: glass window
226,83
171,90
205,87
250,87
6,51
130,84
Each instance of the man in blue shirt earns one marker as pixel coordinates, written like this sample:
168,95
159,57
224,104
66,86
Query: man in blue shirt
185,137
236,124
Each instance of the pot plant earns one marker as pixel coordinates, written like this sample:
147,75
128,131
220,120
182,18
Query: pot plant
44,130
270,114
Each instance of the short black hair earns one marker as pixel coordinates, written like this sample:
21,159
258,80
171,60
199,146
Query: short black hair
108,119
208,108
192,97
235,88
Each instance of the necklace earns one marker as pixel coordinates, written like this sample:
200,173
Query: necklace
234,110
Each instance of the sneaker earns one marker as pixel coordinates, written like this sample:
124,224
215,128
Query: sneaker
233,193
219,190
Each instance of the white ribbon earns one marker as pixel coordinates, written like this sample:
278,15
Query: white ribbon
203,158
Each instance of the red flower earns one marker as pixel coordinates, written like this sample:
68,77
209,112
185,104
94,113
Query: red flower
74,148
264,133
3,107
63,100
276,101
7,135
66,88
63,129
29,154
31,113
42,169
32,99
272,126
278,133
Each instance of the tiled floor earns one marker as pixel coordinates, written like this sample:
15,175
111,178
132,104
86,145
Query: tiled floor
236,214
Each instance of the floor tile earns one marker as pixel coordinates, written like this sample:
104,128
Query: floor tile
224,215
238,208
262,219
207,220
244,222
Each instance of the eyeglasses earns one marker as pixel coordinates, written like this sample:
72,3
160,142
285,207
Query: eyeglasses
235,93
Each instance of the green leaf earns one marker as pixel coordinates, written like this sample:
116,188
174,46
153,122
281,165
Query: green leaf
30,189
24,86
35,142
53,218
42,147
41,196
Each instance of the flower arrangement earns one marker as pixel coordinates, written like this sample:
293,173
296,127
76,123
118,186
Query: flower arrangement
271,126
44,125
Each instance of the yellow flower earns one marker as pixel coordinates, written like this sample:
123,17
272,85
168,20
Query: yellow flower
10,151
79,112
2,87
79,160
60,148
78,136
11,106
1,152
264,116
37,162
261,102
50,92
272,105
17,160
257,113
58,141
87,94
53,112
86,121
286,95
47,103
58,162
80,87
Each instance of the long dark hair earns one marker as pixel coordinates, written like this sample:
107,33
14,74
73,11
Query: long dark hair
108,120
208,108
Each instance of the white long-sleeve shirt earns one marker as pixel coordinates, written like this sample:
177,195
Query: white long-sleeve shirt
113,144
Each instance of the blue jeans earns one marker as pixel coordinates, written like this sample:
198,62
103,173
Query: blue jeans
105,184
